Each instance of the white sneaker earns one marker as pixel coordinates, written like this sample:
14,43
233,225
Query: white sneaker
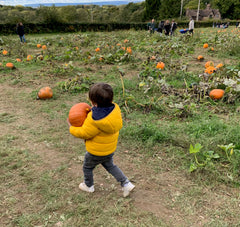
85,188
127,188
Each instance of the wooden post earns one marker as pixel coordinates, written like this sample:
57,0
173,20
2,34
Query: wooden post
198,10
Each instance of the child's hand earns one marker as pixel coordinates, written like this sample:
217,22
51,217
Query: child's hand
69,124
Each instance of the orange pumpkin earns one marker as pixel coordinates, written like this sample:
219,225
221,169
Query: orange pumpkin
39,45
78,114
97,49
210,70
5,52
220,65
216,94
44,47
160,65
45,93
153,58
29,57
10,65
205,45
209,63
200,57
18,60
129,50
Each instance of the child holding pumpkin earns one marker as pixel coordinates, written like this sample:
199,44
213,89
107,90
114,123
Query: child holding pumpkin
100,131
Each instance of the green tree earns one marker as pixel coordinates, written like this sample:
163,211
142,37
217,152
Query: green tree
83,15
170,9
228,9
68,14
152,9
49,15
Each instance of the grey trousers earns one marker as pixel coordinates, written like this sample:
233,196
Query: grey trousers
91,161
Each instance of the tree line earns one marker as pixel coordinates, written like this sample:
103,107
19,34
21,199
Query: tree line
130,13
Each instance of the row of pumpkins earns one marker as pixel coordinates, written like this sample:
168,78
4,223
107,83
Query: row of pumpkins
79,111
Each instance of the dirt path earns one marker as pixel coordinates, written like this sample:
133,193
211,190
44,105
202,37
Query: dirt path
170,196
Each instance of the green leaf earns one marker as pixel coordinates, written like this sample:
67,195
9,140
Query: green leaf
192,167
195,149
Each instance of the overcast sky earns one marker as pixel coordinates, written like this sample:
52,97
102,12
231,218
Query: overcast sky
23,2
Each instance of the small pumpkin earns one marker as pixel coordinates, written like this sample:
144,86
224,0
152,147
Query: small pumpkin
210,70
97,49
216,94
44,47
129,50
39,45
5,52
18,60
10,65
29,57
205,45
200,58
220,65
45,93
153,58
78,113
126,41
209,63
160,65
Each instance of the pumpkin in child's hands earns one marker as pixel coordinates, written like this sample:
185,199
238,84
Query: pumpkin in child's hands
78,113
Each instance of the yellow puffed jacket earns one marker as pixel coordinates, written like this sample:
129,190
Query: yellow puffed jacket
101,135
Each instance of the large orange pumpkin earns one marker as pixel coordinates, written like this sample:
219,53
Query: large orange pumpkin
78,114
216,94
45,93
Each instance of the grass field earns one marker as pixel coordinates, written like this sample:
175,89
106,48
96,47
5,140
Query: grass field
165,111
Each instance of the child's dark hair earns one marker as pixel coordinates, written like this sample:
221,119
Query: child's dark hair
101,94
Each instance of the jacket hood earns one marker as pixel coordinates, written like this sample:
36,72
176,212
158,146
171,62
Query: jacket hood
110,118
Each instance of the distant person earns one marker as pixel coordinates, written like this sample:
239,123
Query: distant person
191,26
152,26
167,27
20,32
160,26
173,27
